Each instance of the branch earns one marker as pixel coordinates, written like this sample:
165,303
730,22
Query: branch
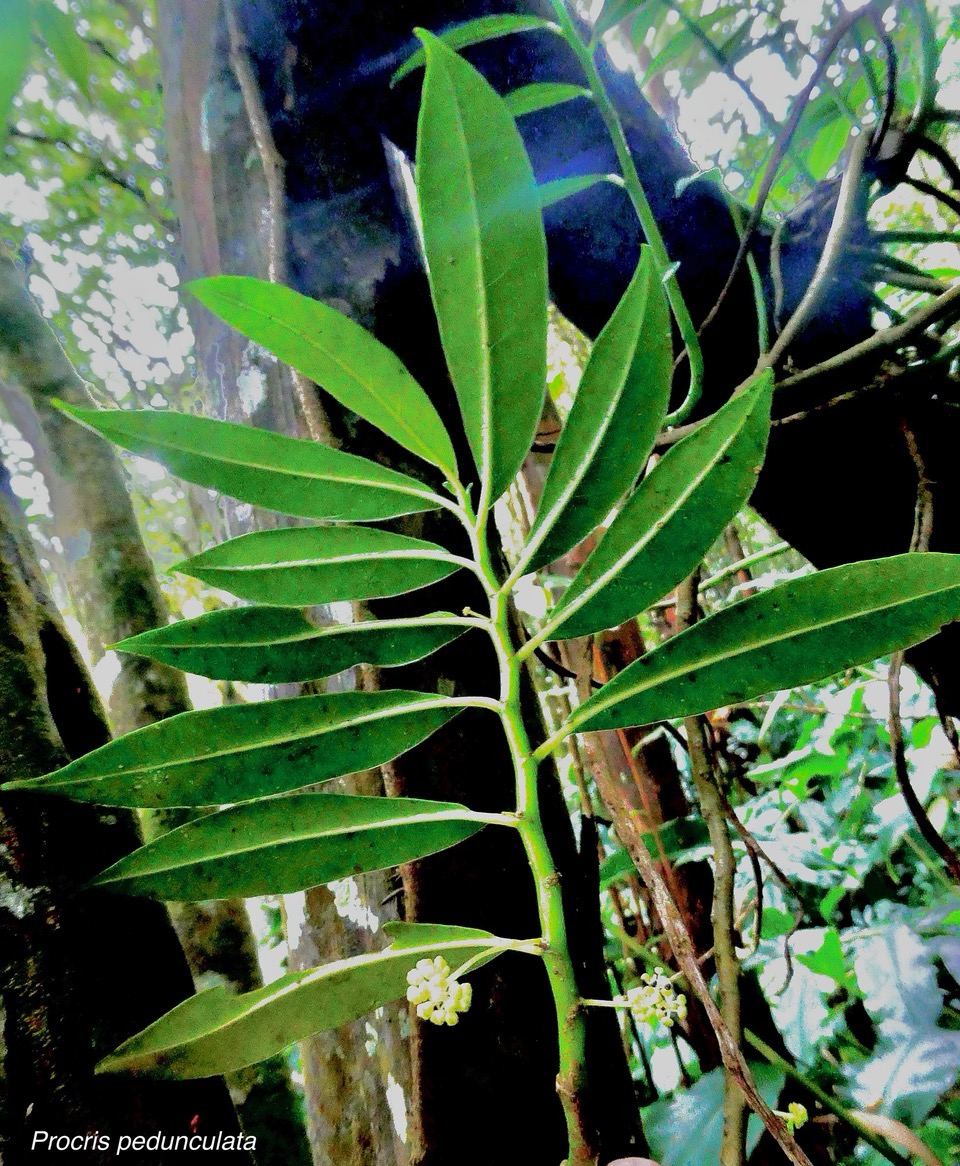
919,543
725,868
780,147
891,337
836,239
630,831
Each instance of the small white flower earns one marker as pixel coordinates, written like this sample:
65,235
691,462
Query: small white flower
654,1000
438,997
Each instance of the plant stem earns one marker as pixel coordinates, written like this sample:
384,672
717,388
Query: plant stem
571,1031
634,188
825,1099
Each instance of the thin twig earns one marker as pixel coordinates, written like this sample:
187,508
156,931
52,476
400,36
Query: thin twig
629,828
836,240
885,338
274,175
840,1111
780,147
920,542
732,1147
925,187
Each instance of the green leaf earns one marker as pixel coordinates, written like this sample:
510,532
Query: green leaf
407,935
671,520
15,22
616,416
616,10
70,50
560,188
487,260
785,637
541,95
687,1129
239,752
303,566
474,32
827,147
274,645
280,845
216,1032
335,352
302,478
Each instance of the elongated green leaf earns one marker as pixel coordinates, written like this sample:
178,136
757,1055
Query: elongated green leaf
561,188
407,935
216,1032
280,845
239,752
274,645
617,413
487,259
335,352
302,566
668,524
15,26
541,95
790,635
280,473
616,10
474,32
70,50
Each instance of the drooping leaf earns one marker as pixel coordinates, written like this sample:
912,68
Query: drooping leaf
303,566
790,635
302,478
561,188
541,95
335,352
474,32
239,752
69,49
280,845
486,254
668,524
15,23
617,412
687,1129
274,645
216,1032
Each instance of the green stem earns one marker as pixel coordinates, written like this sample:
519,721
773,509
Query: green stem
570,1024
634,187
824,1098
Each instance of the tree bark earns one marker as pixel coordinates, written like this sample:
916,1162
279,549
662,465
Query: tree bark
114,588
80,970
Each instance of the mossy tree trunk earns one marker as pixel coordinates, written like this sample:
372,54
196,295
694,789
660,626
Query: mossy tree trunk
114,589
80,971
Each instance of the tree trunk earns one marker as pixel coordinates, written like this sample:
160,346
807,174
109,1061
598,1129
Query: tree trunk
114,588
81,970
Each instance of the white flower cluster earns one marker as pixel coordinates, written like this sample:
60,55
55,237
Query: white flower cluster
655,1000
439,998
